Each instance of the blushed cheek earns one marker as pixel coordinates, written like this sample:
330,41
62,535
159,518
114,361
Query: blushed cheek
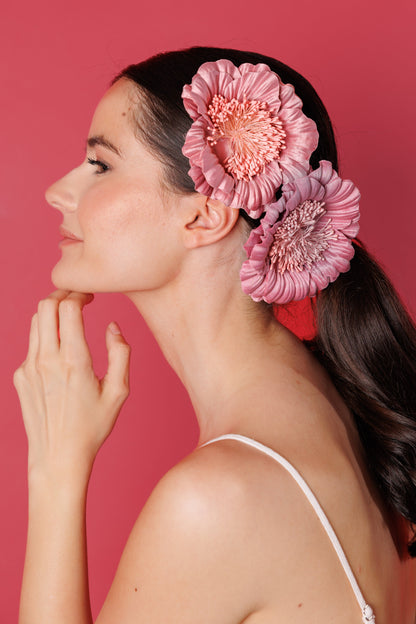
121,217
107,227
113,246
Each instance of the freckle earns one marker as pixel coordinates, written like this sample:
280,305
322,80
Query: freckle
124,114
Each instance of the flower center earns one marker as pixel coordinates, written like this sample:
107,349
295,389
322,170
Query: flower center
298,241
254,138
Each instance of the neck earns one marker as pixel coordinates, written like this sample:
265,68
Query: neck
221,344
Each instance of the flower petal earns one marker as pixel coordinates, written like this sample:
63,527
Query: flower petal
278,122
304,240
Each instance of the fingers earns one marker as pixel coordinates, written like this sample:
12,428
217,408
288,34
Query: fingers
115,385
33,339
67,411
48,324
71,326
60,326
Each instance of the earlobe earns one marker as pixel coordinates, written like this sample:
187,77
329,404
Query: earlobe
211,222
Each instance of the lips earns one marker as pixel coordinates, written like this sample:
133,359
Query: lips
67,234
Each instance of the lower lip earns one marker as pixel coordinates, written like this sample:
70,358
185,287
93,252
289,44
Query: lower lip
68,241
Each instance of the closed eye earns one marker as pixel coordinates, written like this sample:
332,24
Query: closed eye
98,163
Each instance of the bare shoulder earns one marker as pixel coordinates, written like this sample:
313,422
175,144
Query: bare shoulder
212,493
189,552
218,487
226,534
227,504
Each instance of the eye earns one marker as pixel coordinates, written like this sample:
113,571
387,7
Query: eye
100,164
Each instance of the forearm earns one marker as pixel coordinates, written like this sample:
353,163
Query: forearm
68,413
55,580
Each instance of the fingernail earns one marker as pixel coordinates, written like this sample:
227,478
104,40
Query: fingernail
114,328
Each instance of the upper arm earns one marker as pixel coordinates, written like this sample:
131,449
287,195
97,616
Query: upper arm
183,561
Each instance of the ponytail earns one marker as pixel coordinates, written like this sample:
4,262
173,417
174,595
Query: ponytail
367,342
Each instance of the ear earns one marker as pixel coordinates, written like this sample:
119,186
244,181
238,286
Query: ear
208,222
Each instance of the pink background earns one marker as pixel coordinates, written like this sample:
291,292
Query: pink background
57,59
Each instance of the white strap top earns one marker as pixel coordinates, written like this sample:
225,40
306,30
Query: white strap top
367,612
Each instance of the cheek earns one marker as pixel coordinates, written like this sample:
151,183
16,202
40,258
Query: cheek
121,203
107,217
130,239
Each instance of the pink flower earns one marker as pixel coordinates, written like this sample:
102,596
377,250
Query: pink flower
304,239
249,134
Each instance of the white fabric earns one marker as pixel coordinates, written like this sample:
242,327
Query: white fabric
367,612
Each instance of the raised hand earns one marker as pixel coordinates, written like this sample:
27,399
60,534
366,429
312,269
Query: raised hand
67,411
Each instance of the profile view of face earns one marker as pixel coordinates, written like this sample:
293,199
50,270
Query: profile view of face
126,225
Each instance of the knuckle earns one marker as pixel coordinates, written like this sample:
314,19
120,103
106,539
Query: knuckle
121,391
18,375
68,363
72,362
42,363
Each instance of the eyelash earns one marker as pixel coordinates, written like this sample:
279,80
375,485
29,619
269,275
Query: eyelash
98,163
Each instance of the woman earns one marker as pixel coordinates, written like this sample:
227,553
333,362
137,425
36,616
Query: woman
209,193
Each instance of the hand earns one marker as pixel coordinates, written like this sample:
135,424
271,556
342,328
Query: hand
67,411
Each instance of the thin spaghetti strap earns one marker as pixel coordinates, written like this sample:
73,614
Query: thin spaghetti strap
367,612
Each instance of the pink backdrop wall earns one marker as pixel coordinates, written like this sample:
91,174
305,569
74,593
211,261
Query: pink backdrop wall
56,59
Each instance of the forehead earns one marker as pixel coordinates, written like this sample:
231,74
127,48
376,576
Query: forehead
114,122
113,116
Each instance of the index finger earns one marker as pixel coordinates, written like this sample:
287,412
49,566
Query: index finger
71,325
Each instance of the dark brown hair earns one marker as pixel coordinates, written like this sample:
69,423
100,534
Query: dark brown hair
365,338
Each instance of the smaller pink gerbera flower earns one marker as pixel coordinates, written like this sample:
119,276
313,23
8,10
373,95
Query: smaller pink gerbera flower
304,240
249,134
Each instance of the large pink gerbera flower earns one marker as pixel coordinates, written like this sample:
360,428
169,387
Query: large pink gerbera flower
249,134
304,240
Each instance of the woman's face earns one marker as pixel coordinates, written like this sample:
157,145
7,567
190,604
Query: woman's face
129,241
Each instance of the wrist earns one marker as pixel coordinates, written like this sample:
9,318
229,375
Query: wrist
59,474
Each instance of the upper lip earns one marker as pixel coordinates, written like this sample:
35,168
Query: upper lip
67,234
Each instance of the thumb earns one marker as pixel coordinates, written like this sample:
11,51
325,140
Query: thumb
115,384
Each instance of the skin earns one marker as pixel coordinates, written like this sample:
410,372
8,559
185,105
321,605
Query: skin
226,537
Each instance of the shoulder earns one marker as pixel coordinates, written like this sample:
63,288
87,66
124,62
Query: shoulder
223,476
195,539
220,494
184,555
211,480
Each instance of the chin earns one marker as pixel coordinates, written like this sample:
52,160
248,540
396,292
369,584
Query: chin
62,281
69,280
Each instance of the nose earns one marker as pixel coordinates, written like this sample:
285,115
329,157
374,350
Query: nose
62,194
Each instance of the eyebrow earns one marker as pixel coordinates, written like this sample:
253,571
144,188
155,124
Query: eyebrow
101,140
